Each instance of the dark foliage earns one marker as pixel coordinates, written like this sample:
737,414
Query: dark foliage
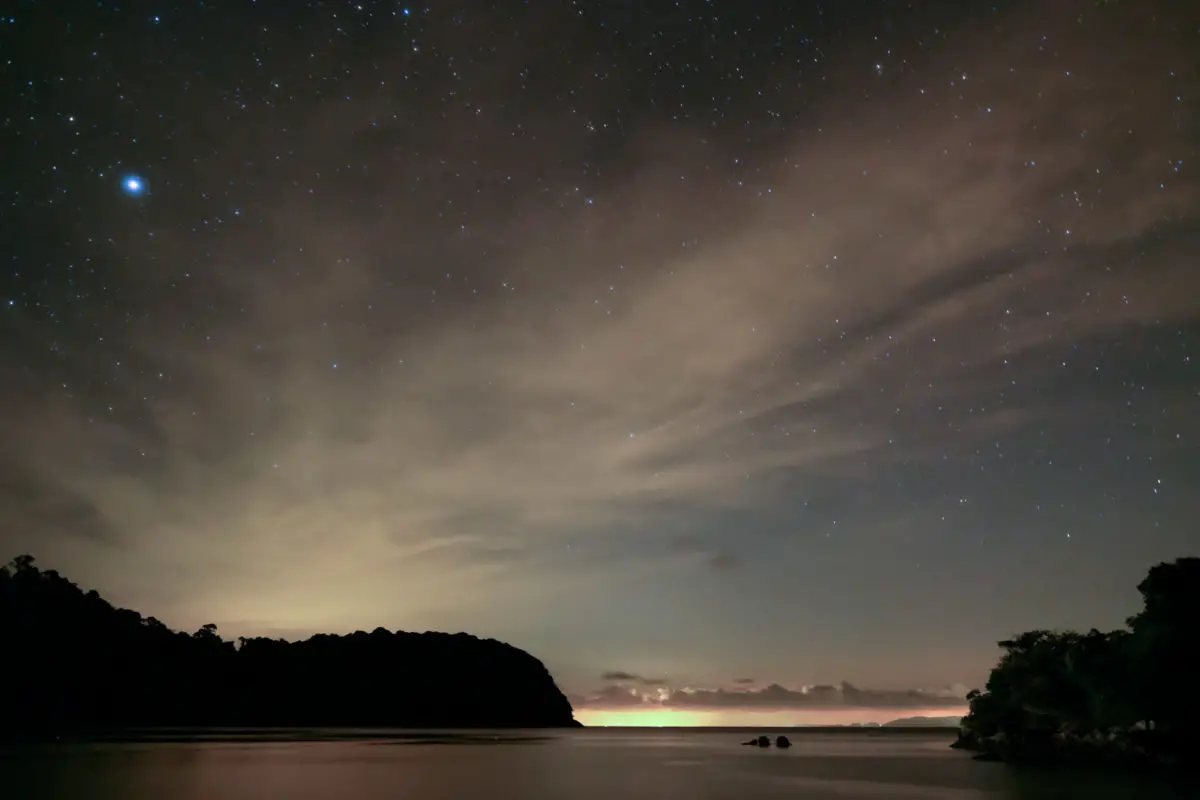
1124,695
74,664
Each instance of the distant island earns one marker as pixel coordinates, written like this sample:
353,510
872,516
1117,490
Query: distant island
76,666
924,722
1124,697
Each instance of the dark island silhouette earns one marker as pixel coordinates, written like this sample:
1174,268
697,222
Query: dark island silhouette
74,665
1124,697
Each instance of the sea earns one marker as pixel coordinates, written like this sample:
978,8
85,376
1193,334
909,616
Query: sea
587,764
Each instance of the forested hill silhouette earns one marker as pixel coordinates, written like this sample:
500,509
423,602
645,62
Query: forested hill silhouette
1124,696
75,665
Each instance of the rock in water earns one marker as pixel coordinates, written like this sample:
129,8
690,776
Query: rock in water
759,741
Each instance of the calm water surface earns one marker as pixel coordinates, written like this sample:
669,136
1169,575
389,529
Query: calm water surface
581,765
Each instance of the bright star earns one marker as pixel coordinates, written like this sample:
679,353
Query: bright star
133,186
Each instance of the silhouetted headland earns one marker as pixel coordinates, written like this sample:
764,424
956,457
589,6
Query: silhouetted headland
74,665
1124,697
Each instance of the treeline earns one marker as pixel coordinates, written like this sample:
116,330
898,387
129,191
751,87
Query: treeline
1121,695
73,664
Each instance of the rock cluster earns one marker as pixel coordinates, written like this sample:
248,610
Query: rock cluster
765,741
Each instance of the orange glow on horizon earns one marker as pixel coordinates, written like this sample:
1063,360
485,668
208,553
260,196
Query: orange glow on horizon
662,717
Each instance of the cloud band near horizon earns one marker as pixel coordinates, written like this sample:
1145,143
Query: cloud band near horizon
634,695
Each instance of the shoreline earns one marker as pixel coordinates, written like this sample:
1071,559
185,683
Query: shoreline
1124,751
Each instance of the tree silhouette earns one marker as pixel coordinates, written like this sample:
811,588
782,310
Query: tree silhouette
1166,643
75,664
1123,694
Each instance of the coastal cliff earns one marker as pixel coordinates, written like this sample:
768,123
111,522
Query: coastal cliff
76,665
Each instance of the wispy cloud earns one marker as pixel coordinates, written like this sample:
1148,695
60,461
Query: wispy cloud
631,677
355,438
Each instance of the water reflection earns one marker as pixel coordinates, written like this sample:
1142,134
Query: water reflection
587,765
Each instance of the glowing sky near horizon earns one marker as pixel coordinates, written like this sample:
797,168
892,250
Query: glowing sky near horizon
732,348
743,718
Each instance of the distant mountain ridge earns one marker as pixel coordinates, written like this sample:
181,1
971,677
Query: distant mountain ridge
76,665
925,722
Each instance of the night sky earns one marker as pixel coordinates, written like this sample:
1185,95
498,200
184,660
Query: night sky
710,351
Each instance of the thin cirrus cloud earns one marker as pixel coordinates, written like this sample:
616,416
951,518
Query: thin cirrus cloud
307,467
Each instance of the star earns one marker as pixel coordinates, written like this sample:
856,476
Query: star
133,185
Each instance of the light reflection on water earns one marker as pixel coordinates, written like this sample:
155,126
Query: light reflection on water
580,765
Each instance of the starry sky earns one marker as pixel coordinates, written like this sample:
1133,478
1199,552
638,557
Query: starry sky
742,361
